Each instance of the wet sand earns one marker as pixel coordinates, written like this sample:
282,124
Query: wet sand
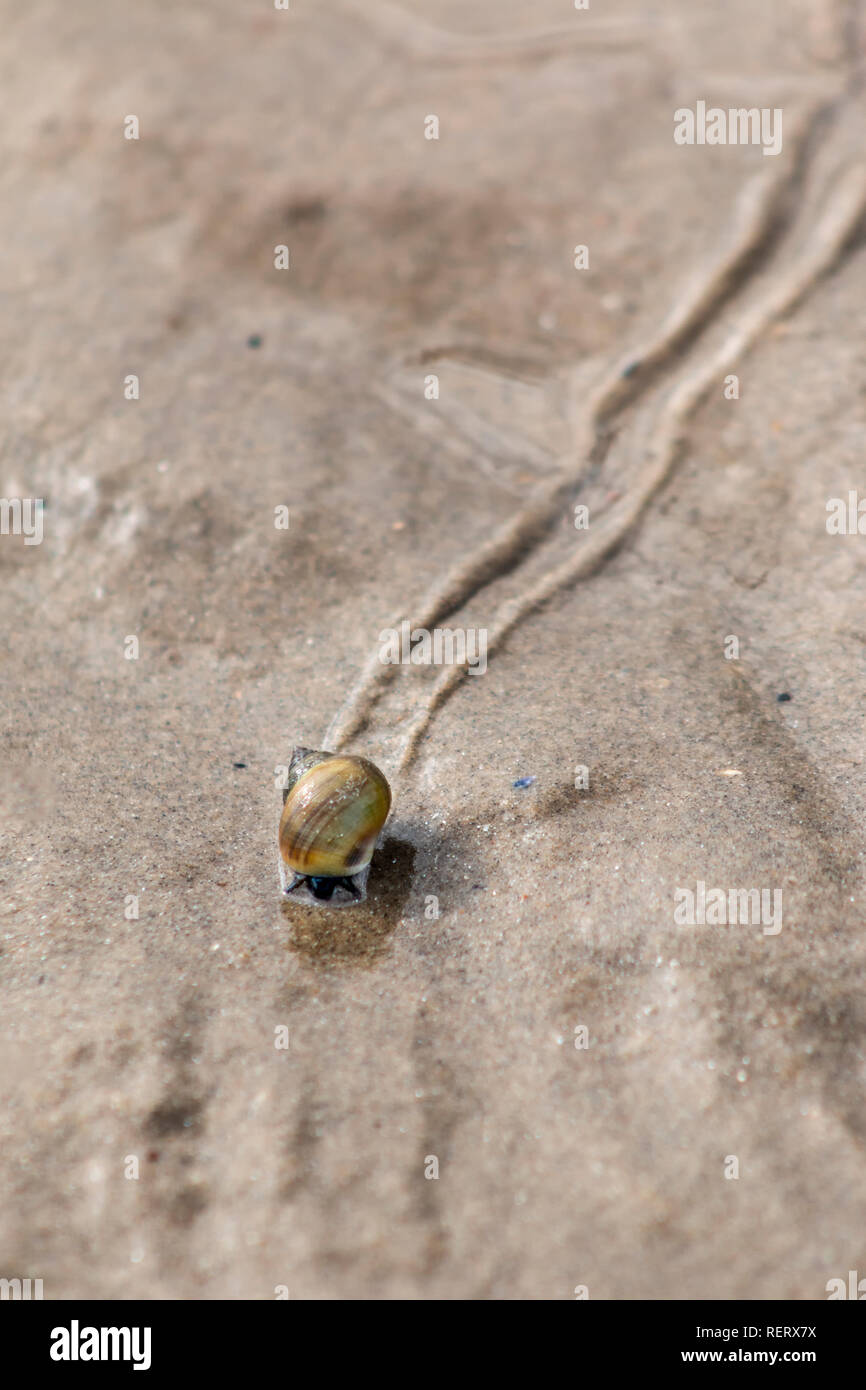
442,1019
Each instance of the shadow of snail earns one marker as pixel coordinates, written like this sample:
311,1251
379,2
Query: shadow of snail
334,807
360,933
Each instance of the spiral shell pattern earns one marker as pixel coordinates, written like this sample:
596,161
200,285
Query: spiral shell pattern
332,817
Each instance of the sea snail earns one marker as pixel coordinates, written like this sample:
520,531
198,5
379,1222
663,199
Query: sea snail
333,809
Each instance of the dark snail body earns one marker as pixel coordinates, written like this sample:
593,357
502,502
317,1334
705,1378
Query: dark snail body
334,807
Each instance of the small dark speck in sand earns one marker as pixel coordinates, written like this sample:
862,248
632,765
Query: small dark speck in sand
254,340
781,699
630,369
523,782
238,764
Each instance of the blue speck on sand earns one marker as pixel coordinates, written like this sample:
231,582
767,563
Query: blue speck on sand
523,782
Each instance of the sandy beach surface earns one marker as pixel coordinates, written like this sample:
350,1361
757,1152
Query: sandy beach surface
614,1100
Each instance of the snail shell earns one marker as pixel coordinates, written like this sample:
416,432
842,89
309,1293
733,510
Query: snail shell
334,809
